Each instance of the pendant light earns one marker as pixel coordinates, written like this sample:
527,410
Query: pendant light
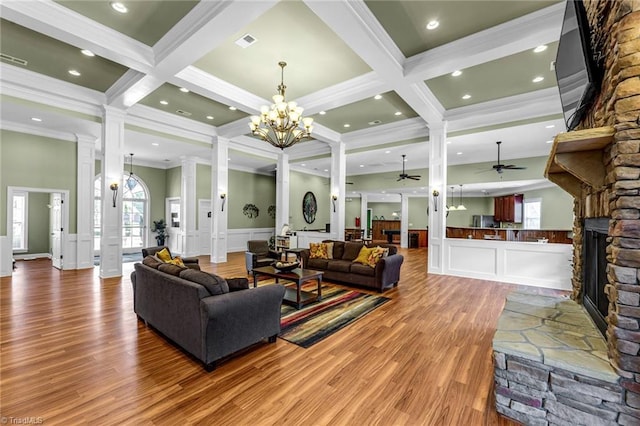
131,180
461,206
452,207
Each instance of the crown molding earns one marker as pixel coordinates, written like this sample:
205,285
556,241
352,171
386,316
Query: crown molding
517,35
61,23
161,121
205,84
46,90
39,131
512,108
377,135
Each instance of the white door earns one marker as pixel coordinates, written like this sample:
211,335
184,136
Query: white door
174,230
55,221
204,227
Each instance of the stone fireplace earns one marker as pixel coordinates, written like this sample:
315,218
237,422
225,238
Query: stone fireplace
600,168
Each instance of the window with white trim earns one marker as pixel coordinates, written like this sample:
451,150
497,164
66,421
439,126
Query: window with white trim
532,213
20,225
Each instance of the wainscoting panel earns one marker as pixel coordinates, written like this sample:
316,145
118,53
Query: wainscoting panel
237,238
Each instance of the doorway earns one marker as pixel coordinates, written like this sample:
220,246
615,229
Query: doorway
49,219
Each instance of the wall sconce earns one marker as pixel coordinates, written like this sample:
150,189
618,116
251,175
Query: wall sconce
435,194
334,198
223,197
114,188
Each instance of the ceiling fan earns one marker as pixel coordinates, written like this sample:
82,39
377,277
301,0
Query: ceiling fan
403,175
502,167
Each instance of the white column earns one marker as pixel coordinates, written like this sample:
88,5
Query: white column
188,207
112,170
219,198
364,202
437,257
282,192
338,188
404,220
86,164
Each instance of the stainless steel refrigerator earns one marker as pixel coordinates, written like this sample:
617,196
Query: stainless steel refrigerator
483,221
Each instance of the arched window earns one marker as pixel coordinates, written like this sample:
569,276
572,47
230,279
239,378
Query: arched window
135,207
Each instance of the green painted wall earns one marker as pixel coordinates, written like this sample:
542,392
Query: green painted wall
384,209
555,205
248,188
418,218
474,205
38,222
299,184
352,209
37,162
173,182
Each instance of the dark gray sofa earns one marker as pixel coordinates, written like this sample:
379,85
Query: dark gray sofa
341,268
207,326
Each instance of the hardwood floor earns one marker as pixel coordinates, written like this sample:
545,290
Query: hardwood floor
74,352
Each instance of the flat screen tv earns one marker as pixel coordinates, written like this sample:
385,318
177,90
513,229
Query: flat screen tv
576,69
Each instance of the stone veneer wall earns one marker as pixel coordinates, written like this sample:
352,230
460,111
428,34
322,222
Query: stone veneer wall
616,26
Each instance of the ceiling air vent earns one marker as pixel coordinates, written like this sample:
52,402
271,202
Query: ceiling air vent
185,113
13,59
246,41
374,122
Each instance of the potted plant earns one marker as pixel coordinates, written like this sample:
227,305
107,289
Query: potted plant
159,227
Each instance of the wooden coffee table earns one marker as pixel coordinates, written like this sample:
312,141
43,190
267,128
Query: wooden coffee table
295,297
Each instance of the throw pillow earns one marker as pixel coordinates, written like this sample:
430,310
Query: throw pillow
176,261
329,250
151,262
168,268
213,283
317,251
164,255
363,256
375,255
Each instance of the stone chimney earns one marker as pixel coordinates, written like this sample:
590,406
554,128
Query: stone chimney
616,28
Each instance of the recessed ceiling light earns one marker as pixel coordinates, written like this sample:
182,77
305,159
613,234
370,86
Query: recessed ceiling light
347,125
232,108
209,117
303,164
550,126
432,25
397,113
467,96
387,152
361,165
74,73
155,144
550,141
163,102
322,112
458,153
540,48
87,52
448,142
376,97
119,7
184,90
384,192
456,73
326,170
36,119
538,79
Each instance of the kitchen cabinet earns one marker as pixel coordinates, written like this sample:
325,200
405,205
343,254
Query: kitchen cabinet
508,208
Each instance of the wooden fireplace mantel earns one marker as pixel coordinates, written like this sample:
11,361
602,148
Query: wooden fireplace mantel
576,158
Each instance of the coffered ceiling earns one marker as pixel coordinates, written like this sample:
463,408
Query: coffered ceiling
340,55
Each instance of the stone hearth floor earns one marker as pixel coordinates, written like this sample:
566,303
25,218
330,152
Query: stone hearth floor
554,331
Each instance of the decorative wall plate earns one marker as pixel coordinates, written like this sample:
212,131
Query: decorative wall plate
309,207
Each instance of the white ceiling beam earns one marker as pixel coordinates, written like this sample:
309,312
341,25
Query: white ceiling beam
171,124
386,133
509,38
61,23
205,27
358,27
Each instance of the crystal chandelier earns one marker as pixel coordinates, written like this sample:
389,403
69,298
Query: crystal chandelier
280,124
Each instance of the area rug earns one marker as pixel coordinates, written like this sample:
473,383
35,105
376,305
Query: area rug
317,321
